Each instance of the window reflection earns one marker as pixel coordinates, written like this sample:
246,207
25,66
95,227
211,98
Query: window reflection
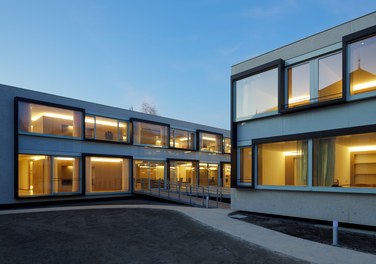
299,85
330,77
245,165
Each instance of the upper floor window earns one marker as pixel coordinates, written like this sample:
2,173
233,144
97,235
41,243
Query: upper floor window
106,129
210,142
227,145
362,65
48,120
256,94
315,81
182,139
150,134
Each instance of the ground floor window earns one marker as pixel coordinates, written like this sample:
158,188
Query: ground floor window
345,161
107,174
46,175
283,163
208,175
148,173
226,175
183,172
245,173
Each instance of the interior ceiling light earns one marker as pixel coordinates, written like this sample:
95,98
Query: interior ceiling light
53,115
365,85
362,148
106,160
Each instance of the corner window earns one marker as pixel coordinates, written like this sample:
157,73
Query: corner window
345,161
283,163
48,120
108,129
183,172
210,142
361,67
245,172
227,145
256,95
40,175
150,134
316,81
107,174
182,139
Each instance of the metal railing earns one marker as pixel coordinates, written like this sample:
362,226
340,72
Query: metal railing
195,195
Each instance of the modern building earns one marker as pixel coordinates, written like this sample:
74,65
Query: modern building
55,148
304,127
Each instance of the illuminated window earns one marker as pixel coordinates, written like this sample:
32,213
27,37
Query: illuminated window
245,175
150,134
47,120
210,142
227,145
66,175
108,129
362,61
107,174
226,175
182,139
148,174
208,175
345,161
283,163
183,172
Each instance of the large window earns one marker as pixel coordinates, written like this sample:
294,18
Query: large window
245,173
345,161
46,175
182,139
107,174
210,142
47,120
150,134
148,174
102,128
208,175
226,175
256,94
227,145
318,80
283,163
362,65
183,171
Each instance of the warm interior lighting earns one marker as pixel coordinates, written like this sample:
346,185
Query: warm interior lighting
183,139
362,148
63,158
35,158
106,160
298,99
365,85
101,122
53,115
292,153
209,138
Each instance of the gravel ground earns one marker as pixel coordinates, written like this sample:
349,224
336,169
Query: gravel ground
360,240
122,236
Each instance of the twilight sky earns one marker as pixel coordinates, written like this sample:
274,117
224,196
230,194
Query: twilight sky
176,54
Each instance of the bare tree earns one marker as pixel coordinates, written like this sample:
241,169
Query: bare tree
148,108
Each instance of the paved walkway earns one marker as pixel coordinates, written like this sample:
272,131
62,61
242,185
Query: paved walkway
272,240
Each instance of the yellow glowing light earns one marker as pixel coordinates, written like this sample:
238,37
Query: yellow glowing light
362,148
365,85
35,158
106,160
102,122
292,153
63,158
298,99
53,115
209,138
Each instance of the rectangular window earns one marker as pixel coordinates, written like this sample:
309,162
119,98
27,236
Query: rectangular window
245,175
210,142
227,145
107,174
256,94
47,120
103,128
361,67
283,163
150,134
183,171
148,174
182,139
318,80
40,175
226,175
208,175
345,161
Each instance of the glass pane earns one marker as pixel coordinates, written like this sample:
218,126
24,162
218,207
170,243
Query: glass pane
299,85
203,175
41,119
362,57
150,134
227,145
283,163
210,142
148,173
66,174
226,175
345,161
34,175
330,77
89,126
123,131
107,174
182,139
106,129
245,165
183,171
213,174
257,94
